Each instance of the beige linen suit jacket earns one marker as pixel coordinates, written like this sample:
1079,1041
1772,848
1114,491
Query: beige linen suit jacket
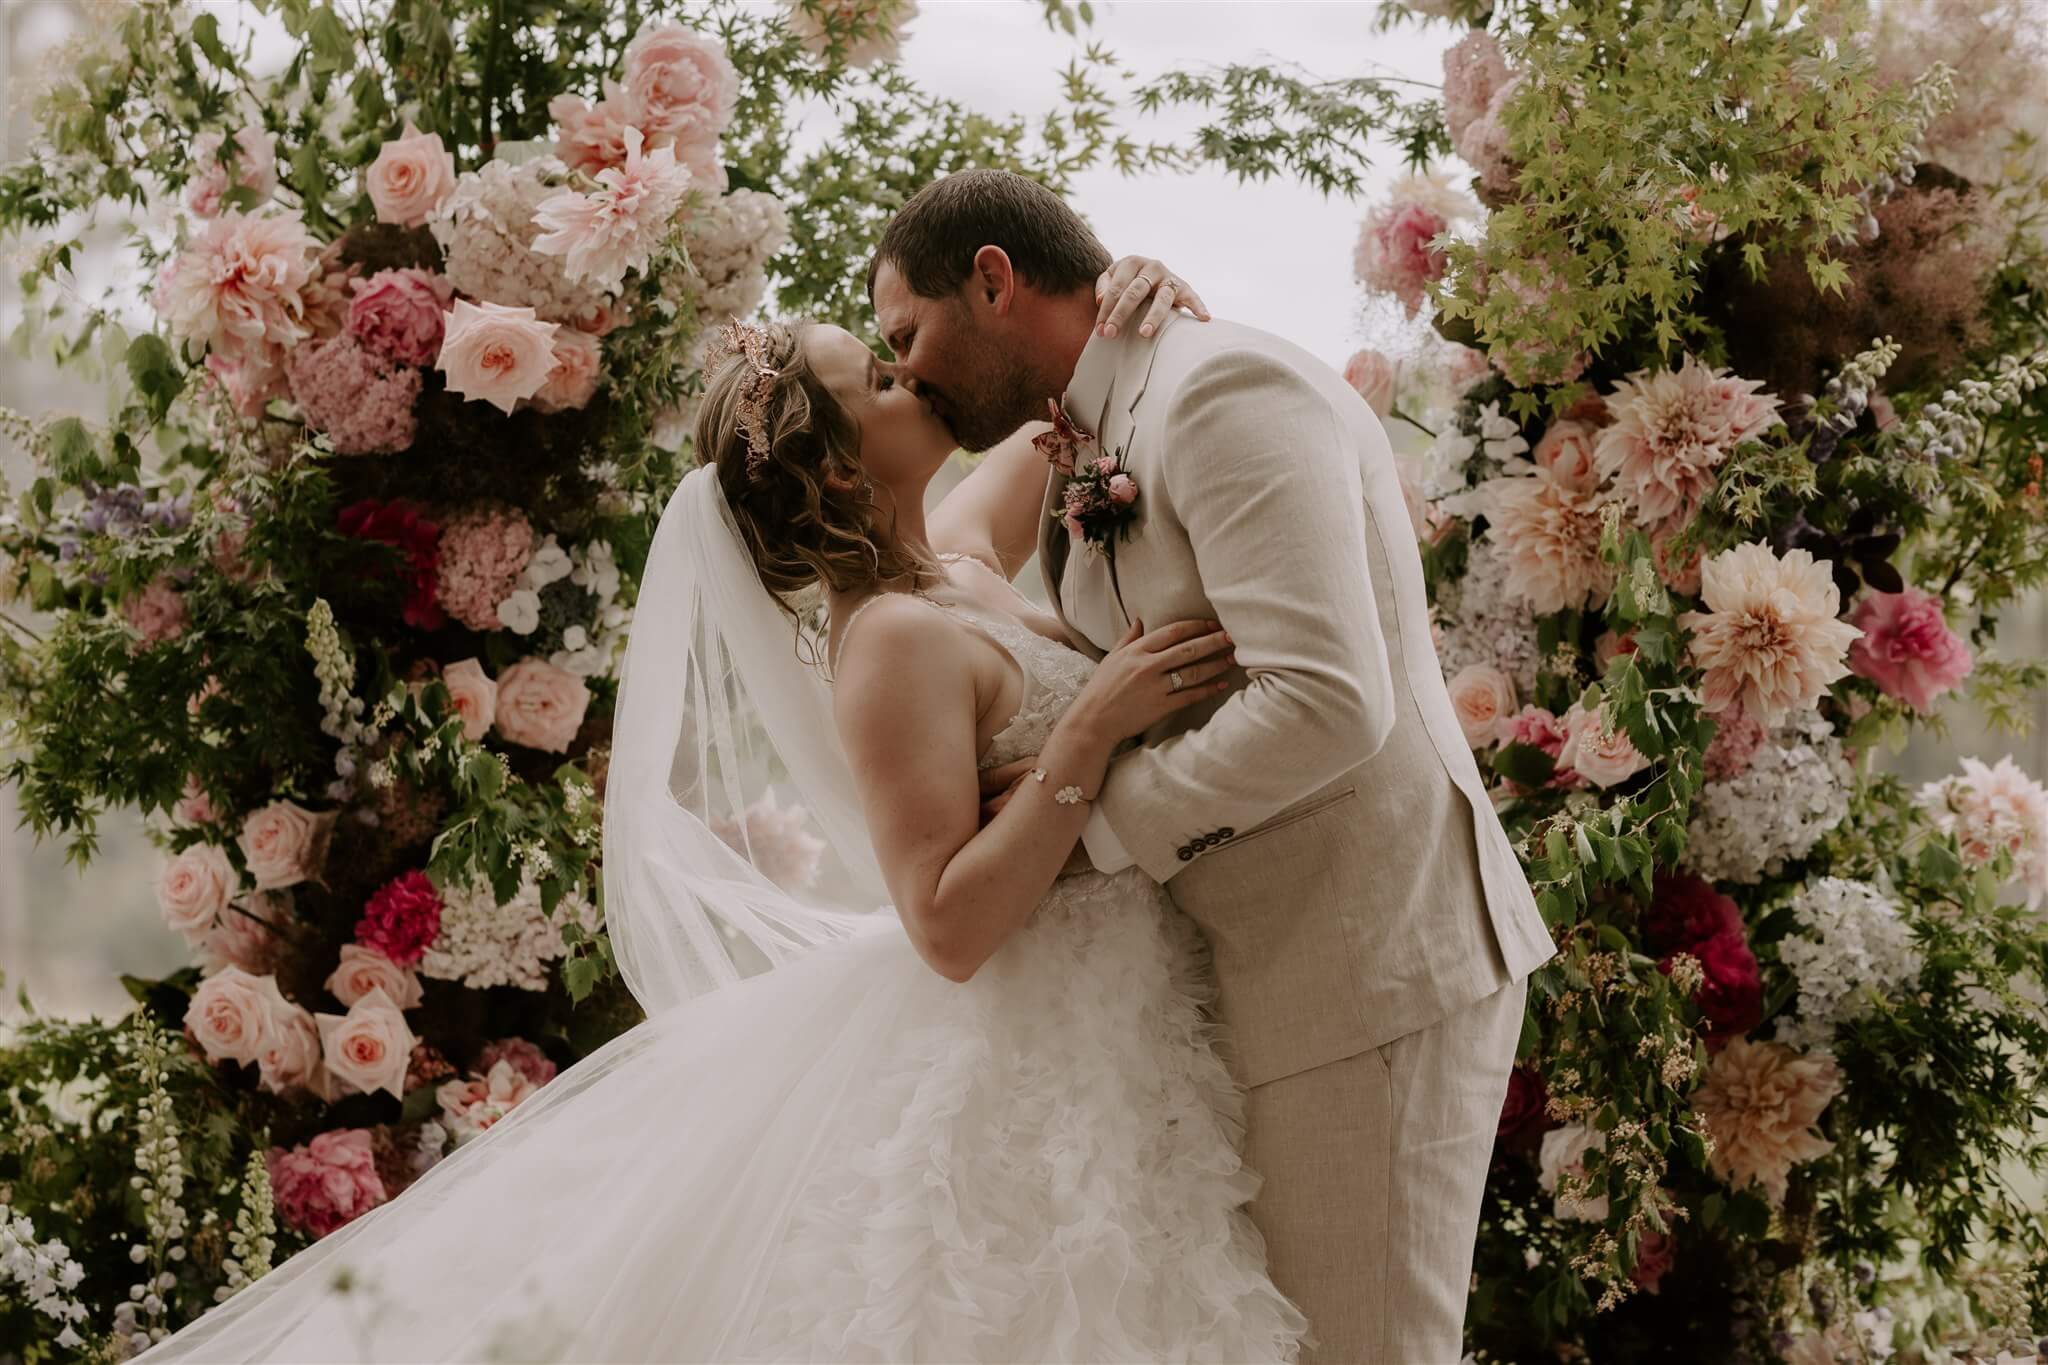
1323,822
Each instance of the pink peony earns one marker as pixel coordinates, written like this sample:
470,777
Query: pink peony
1394,255
1994,810
1548,530
1768,639
238,287
402,919
1907,648
686,87
526,1059
1374,377
880,25
1602,756
481,556
1481,696
400,314
1673,429
255,168
369,1048
540,706
363,969
361,401
572,383
327,1183
229,1016
777,840
1474,68
410,178
496,355
284,843
158,611
611,231
1761,1101
195,886
592,137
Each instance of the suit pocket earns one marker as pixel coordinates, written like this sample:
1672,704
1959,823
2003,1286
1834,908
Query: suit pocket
1313,806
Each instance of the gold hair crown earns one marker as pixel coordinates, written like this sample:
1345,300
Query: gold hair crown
750,340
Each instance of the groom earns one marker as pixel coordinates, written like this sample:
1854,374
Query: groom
1324,822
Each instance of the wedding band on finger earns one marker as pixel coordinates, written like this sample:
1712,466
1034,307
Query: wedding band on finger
1173,680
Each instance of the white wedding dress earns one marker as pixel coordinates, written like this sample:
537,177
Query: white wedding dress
848,1158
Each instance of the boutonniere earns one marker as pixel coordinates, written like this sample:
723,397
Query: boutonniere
1100,501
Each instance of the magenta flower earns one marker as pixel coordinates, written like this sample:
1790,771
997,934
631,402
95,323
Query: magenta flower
402,919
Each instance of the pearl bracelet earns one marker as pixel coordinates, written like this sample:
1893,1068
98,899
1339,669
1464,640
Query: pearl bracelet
1065,796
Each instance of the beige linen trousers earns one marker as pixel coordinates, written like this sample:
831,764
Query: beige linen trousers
1323,822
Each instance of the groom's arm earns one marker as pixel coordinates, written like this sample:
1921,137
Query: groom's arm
1262,477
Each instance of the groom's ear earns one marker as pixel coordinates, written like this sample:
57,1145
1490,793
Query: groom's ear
993,284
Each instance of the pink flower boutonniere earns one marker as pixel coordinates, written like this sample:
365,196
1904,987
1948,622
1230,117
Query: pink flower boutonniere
1100,503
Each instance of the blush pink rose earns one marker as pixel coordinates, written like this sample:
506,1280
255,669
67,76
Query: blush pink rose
1482,696
194,807
1122,490
285,843
368,1048
410,178
572,383
291,1055
473,695
1373,376
495,354
472,1104
400,314
1566,450
1609,646
540,706
242,936
364,969
1654,1255
1907,648
1601,756
229,1016
685,86
195,886
527,1059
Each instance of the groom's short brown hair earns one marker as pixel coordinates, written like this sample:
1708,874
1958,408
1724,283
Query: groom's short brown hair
932,239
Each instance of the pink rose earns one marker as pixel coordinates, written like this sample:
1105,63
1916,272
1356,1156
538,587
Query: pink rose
364,969
593,136
685,86
284,843
368,1048
291,1055
1481,695
1373,376
496,355
399,314
242,937
1566,450
410,178
474,1103
1601,756
1105,464
195,886
1123,490
1653,1260
572,383
1907,648
229,1016
473,695
540,706
195,807
255,168
327,1183
1609,646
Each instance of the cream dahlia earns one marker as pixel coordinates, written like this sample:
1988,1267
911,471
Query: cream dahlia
1760,1101
1769,638
1673,429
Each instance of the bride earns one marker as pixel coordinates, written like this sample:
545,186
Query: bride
989,1125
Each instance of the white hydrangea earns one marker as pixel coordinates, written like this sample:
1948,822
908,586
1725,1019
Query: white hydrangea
730,242
1484,623
483,943
1795,791
599,650
486,231
1851,941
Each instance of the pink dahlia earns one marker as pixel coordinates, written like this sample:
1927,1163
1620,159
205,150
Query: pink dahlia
1548,530
399,314
327,1183
1769,638
1761,1102
1394,255
403,525
1907,648
1993,810
604,235
1673,429
1737,737
238,287
359,400
482,554
402,919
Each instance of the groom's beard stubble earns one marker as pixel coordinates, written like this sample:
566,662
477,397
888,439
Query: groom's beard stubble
997,394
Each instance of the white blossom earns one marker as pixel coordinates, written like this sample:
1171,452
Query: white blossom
483,943
1851,943
1794,791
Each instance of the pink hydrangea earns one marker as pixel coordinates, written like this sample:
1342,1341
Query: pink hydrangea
482,554
362,402
402,919
1737,737
238,287
158,611
326,1183
1394,255
1483,142
398,314
1673,429
1474,68
1907,648
527,1059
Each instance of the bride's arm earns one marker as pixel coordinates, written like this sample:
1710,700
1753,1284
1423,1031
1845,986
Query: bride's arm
993,513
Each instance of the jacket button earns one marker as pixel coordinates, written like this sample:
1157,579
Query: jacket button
1187,855
1226,833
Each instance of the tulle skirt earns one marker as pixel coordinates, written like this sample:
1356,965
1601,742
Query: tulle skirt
849,1158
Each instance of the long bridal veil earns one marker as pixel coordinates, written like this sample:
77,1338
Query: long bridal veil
629,1208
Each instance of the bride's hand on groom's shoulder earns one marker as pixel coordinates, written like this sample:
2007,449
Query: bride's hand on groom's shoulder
1123,288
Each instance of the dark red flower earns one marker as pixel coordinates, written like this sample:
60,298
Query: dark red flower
403,524
402,918
1731,999
1522,1120
1685,910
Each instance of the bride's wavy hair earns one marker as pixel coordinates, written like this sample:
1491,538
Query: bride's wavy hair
801,530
